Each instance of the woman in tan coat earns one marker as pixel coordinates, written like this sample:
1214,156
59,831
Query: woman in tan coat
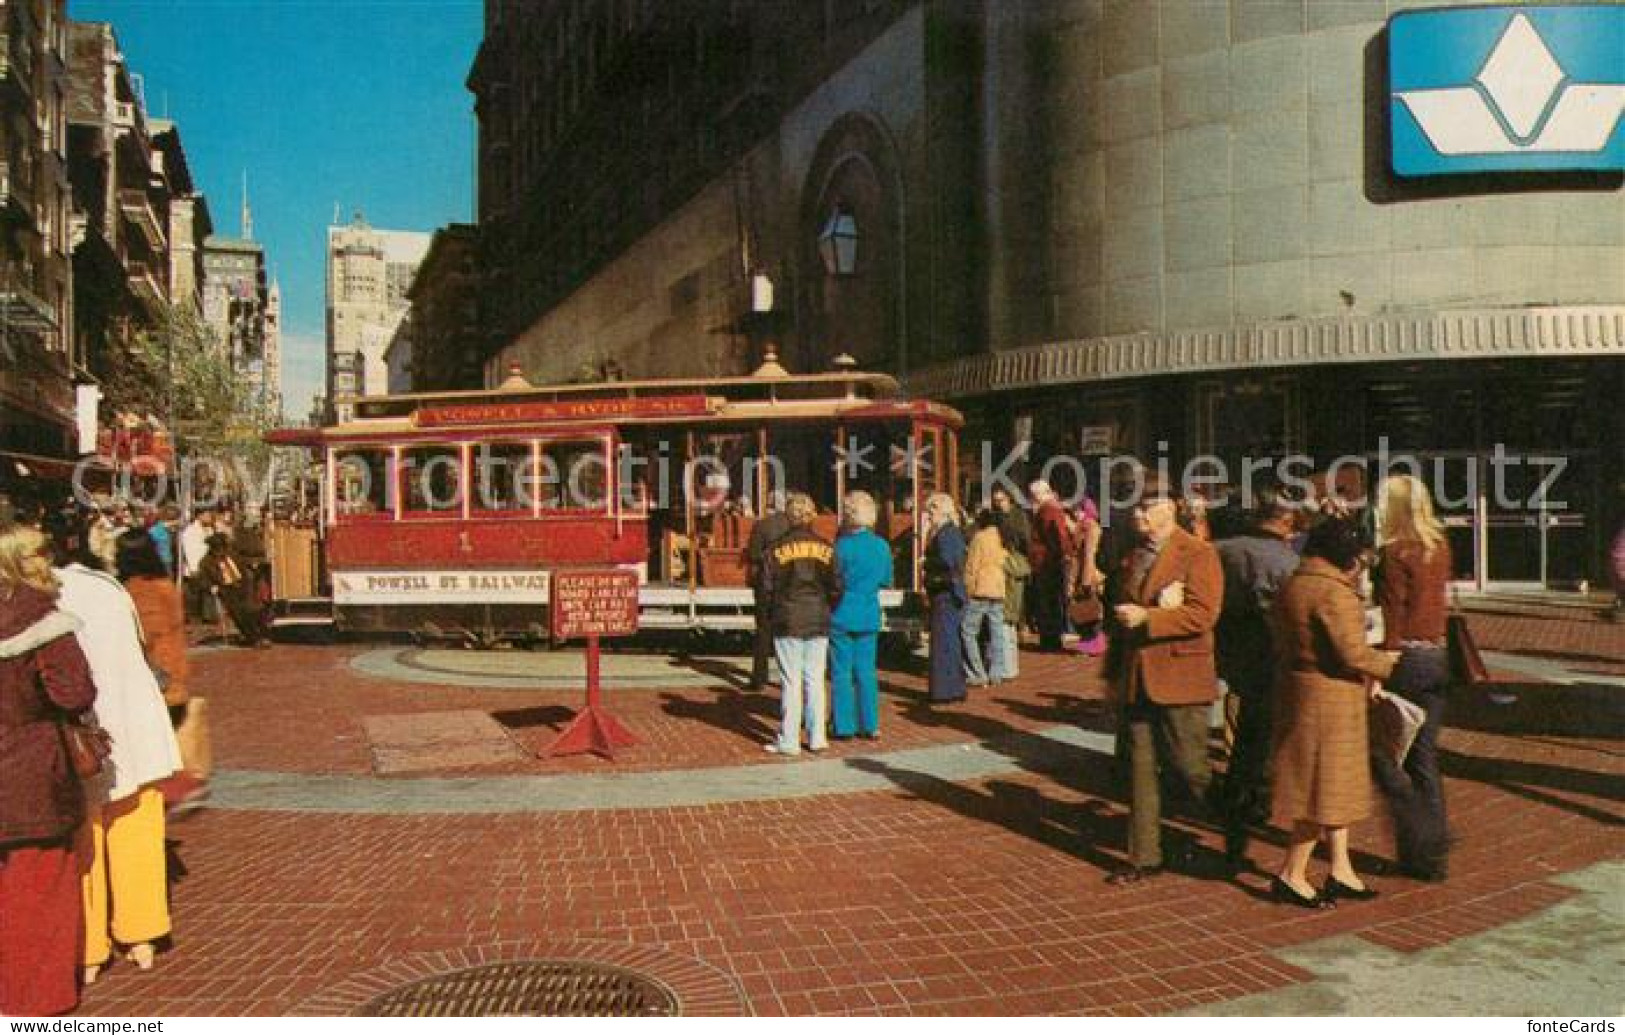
984,585
1320,762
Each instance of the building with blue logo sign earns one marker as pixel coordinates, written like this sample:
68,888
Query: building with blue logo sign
1507,89
1244,229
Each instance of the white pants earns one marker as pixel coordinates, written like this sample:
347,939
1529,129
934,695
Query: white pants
802,697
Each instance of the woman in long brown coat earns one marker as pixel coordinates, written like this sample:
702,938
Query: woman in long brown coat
163,627
1321,763
158,602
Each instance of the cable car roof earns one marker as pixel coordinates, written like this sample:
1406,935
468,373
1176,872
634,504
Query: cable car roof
840,394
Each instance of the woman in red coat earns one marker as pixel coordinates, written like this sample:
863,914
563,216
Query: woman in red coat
44,679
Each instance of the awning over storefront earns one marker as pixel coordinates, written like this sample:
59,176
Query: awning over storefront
1556,331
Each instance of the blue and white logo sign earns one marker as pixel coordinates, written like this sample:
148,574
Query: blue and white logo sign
1481,89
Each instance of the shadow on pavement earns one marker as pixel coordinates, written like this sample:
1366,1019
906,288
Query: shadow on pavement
749,715
1588,710
1535,781
553,716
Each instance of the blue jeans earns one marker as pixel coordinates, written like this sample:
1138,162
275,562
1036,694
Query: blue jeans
802,697
980,612
854,682
1012,652
1415,792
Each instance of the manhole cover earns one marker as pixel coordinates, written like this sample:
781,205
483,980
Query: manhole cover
529,988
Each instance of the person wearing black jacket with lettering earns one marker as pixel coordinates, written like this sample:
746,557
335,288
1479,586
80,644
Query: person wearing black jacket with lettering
804,586
767,531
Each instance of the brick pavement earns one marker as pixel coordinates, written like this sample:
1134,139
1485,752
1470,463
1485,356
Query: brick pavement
979,896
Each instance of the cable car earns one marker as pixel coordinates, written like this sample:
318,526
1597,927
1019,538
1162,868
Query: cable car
444,514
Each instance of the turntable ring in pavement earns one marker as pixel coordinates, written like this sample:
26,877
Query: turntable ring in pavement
541,977
550,670
529,988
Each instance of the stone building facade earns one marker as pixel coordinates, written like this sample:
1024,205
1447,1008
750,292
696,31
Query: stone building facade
445,339
369,272
189,223
235,292
1163,229
37,405
140,222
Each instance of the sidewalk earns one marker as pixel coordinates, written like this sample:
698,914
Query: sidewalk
954,867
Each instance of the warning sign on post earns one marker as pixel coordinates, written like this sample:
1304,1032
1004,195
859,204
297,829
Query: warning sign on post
594,603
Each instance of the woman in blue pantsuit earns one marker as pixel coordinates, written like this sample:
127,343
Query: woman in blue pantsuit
945,583
864,561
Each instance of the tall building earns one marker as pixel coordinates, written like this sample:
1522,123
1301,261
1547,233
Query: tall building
445,337
1155,228
234,305
273,349
244,311
369,272
139,222
37,403
189,224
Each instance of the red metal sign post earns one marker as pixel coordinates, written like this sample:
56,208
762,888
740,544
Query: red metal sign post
590,604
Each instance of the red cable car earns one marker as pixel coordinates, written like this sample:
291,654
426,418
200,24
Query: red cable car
443,515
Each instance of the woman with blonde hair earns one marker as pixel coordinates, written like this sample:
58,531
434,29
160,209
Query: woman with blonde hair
864,562
1412,586
804,585
44,682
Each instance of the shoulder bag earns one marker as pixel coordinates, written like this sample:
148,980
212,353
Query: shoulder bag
1467,666
88,746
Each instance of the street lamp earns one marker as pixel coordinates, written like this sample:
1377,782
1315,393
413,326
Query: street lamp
838,242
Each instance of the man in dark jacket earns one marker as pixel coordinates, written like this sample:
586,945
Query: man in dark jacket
804,586
769,530
1256,564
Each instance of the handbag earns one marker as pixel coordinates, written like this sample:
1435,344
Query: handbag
1467,666
192,735
88,746
1085,607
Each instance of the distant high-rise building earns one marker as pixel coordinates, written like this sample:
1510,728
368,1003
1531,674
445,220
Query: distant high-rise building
369,272
245,312
234,301
273,349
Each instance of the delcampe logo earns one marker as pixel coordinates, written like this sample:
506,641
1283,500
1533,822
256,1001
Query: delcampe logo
1479,89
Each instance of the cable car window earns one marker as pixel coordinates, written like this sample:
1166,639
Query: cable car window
432,479
502,478
362,485
574,476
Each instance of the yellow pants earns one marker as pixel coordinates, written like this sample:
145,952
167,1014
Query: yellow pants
123,875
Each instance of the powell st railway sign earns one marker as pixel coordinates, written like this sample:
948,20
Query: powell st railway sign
1510,89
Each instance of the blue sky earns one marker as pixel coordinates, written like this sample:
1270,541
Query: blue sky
358,103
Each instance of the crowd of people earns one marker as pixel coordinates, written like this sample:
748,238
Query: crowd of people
93,627
1273,617
93,634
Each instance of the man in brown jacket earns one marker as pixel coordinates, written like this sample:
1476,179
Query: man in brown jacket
1167,598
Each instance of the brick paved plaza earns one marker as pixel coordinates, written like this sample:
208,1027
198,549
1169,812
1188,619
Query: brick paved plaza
954,867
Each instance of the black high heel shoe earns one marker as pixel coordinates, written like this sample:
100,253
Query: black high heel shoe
1335,889
1286,894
